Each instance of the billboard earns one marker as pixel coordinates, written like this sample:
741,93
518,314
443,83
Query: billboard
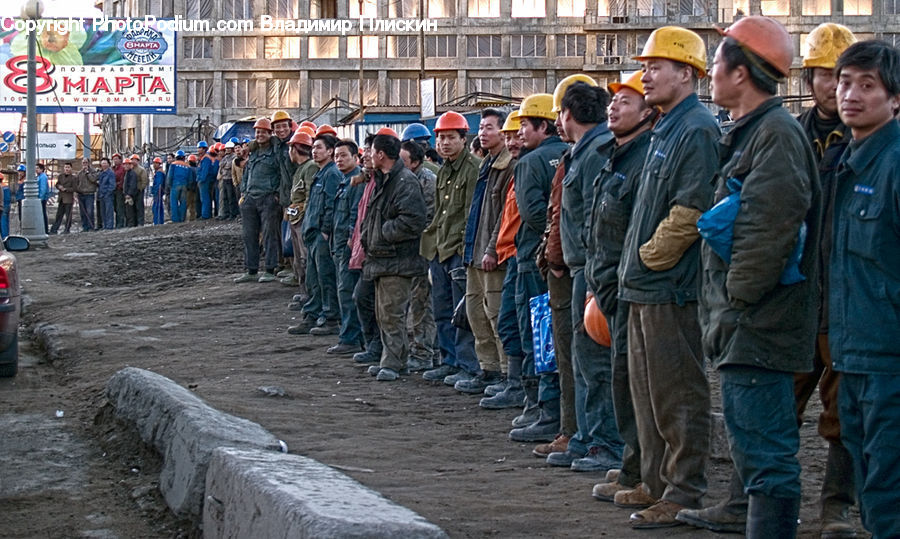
111,66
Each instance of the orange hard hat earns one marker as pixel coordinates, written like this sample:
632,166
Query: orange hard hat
301,137
633,82
192,158
157,160
134,157
387,131
595,323
766,38
308,130
451,120
309,124
326,129
263,123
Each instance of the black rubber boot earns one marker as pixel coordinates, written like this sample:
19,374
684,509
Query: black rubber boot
772,518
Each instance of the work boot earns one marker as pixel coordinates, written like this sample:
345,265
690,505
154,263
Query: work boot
460,376
330,327
439,373
300,298
494,389
659,515
266,277
343,349
303,327
612,476
532,411
246,278
636,498
560,443
366,357
476,385
606,492
563,459
284,273
769,517
511,397
290,280
838,494
387,375
544,429
418,364
728,516
596,460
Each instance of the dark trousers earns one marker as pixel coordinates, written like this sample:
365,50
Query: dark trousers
448,286
507,320
178,203
529,284
351,331
321,281
119,203
206,199
364,298
86,209
561,307
139,208
630,474
228,196
44,212
131,213
107,205
261,215
63,211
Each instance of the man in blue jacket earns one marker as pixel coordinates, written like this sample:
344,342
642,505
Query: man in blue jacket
43,192
105,189
178,177
864,301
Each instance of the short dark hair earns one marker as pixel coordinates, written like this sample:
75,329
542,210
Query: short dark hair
876,55
387,144
414,149
369,139
432,154
102,159
586,103
354,149
762,73
496,113
549,129
329,140
41,166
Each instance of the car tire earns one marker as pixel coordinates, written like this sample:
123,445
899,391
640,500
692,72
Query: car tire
9,359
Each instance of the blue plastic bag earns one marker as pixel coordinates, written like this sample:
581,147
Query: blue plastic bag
716,226
287,248
542,334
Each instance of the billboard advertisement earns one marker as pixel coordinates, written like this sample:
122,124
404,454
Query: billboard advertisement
112,66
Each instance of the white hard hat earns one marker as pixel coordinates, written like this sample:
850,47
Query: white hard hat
229,144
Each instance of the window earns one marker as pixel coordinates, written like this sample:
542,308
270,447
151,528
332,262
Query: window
164,137
403,9
484,8
483,46
640,41
369,44
369,9
729,10
525,86
527,46
281,47
282,93
323,47
858,7
695,8
440,46
198,93
528,8
197,47
236,9
404,92
403,47
280,9
486,85
441,8
651,8
775,8
322,90
571,45
240,93
611,45
161,8
570,8
370,91
239,48
893,39
444,89
891,7
323,9
816,7
199,9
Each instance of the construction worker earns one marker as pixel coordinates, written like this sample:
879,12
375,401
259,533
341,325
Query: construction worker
281,126
106,186
301,155
630,120
443,246
533,175
658,276
178,178
205,178
143,180
864,305
484,276
227,194
130,189
65,184
422,136
158,190
118,195
86,187
829,137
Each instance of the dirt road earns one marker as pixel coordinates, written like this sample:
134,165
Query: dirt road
161,298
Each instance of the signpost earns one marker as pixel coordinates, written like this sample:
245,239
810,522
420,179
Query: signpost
56,146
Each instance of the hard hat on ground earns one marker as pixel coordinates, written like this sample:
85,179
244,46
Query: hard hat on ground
826,43
301,137
595,323
326,129
280,115
512,122
263,123
633,81
415,131
537,106
387,131
203,144
765,38
564,84
677,44
451,120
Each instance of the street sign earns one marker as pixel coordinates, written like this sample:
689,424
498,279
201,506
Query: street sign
9,136
3,146
55,145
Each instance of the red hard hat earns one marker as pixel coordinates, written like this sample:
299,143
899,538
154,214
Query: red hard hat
309,124
387,131
451,120
157,160
134,157
263,123
765,37
192,158
595,323
300,137
326,129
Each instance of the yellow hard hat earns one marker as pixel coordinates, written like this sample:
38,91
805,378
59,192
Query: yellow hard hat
633,81
826,43
512,122
537,106
280,115
677,44
564,85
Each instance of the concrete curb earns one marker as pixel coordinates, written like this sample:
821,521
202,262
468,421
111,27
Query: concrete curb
46,336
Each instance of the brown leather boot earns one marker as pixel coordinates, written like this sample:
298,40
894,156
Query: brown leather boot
560,443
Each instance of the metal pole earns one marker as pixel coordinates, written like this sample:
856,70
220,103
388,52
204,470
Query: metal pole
86,140
362,104
32,215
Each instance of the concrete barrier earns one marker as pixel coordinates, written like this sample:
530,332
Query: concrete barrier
183,429
252,493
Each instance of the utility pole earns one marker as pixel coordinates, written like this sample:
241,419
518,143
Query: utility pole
32,214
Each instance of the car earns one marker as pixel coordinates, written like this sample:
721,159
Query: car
10,305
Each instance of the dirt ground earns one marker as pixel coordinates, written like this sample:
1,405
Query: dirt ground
162,298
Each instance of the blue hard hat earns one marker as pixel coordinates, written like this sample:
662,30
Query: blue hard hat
21,168
179,153
415,131
202,144
234,140
245,141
